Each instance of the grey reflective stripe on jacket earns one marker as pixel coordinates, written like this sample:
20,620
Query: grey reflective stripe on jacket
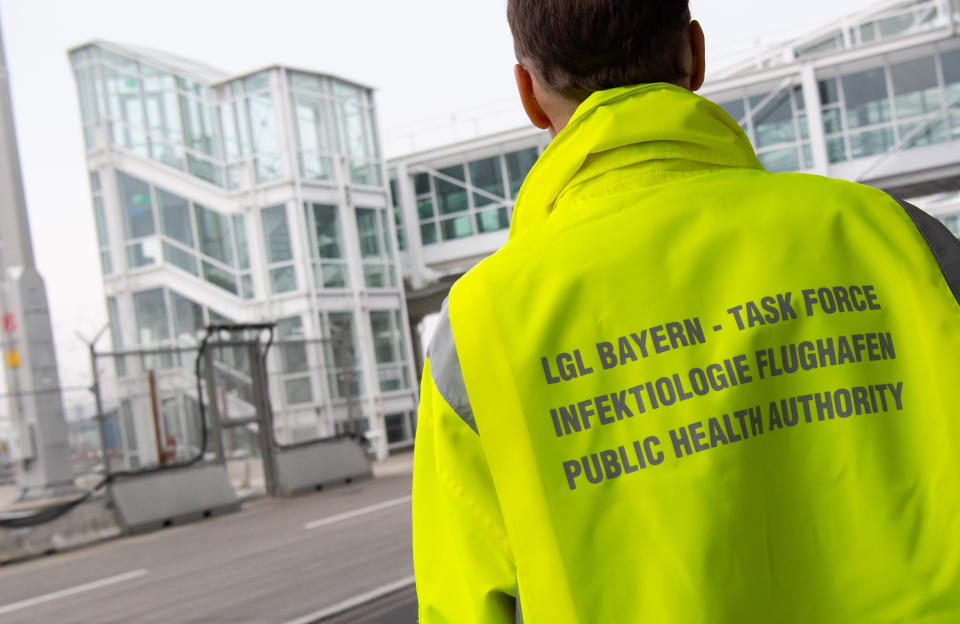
445,368
943,244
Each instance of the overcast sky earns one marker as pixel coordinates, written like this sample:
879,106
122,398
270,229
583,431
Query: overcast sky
432,61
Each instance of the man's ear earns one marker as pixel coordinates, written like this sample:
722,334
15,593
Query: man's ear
698,48
529,99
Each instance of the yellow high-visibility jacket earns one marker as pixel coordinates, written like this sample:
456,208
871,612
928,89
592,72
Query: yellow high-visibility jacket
691,390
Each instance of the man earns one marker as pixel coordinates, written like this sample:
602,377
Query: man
687,389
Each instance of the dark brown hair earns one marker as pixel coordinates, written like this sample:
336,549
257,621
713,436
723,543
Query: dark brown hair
581,46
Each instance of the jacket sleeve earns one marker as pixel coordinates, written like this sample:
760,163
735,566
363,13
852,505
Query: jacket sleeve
943,244
462,561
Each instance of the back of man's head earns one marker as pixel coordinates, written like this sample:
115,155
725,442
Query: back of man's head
577,47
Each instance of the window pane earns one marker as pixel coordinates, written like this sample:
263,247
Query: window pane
341,334
220,277
187,317
428,233
460,227
493,220
737,110
425,208
180,258
276,234
264,136
781,159
293,354
246,286
829,92
283,279
137,206
421,183
774,123
257,82
871,142
213,229
175,217
151,312
298,390
831,121
866,98
197,125
394,426
915,87
204,169
240,233
518,165
311,124
951,67
228,128
451,197
106,264
326,232
486,174
925,133
143,253
383,337
346,380
101,222
95,182
329,275
836,150
375,276
368,228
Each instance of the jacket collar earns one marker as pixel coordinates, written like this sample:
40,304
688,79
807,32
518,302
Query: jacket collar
647,122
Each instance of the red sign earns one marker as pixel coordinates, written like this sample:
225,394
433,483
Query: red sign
9,323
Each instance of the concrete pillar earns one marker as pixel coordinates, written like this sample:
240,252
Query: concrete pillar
37,405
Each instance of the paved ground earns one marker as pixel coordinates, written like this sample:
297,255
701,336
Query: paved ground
276,561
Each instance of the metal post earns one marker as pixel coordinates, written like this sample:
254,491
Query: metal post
101,418
214,433
152,383
258,376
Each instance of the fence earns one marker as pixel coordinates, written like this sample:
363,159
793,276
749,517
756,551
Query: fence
154,399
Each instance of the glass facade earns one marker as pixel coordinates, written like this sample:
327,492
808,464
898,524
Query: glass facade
346,377
294,363
276,235
100,222
333,117
470,198
190,237
907,104
776,123
219,131
375,252
388,347
326,248
900,19
148,111
164,317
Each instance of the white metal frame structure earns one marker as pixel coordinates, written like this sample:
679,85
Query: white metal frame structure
874,98
249,198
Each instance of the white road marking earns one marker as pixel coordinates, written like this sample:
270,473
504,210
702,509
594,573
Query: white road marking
357,512
63,593
356,601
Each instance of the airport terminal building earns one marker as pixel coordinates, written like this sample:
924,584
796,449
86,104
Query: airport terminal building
250,198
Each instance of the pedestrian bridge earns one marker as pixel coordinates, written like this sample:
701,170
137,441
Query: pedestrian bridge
873,98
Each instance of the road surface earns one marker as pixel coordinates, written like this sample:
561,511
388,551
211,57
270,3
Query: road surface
342,553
